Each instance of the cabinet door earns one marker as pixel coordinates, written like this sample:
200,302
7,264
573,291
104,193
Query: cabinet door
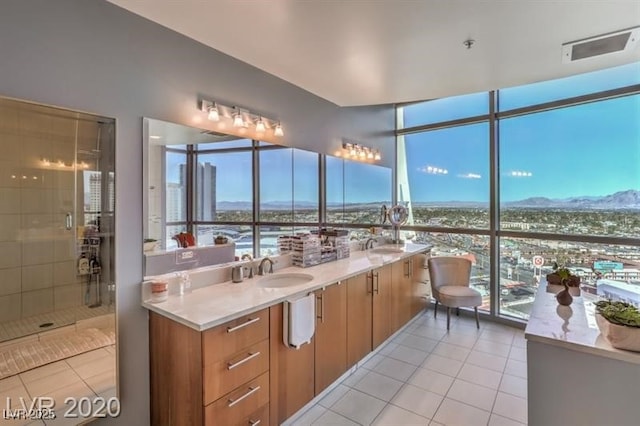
359,317
331,335
291,370
382,304
401,299
420,287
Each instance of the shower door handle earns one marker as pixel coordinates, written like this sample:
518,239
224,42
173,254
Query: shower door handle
68,221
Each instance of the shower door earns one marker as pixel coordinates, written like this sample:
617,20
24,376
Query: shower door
53,236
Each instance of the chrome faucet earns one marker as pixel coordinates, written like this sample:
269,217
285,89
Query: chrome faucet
261,267
248,257
369,243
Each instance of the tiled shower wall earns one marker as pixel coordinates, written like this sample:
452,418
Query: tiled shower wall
38,263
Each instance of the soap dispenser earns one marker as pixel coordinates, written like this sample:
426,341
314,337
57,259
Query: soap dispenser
185,282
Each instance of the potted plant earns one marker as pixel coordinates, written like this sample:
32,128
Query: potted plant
149,244
560,276
619,323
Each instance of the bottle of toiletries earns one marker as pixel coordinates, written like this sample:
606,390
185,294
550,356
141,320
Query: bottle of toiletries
184,281
159,291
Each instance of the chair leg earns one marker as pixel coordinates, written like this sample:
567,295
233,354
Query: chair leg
477,320
457,312
448,316
435,310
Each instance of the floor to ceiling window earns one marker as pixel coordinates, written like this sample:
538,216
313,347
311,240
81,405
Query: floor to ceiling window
550,169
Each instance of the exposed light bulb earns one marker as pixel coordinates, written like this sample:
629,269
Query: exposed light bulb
370,155
352,151
278,130
361,154
376,156
260,126
214,114
237,120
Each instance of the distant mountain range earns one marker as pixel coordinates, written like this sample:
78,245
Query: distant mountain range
629,199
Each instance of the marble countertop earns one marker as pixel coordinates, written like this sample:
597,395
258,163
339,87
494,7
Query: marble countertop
572,327
216,304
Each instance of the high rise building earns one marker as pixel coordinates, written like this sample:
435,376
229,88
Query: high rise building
206,191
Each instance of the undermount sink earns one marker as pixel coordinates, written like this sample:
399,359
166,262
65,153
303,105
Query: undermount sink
284,280
386,250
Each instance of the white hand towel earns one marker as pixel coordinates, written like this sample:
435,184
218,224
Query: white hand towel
299,321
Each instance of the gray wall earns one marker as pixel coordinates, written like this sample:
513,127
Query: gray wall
93,56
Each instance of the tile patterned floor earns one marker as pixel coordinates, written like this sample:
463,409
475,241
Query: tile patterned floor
28,326
91,374
426,376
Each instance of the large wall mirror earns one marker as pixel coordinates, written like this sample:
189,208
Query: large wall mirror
57,282
214,185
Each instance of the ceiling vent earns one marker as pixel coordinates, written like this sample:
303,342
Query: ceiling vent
616,42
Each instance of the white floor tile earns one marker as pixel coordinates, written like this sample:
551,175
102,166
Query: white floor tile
464,340
394,416
359,407
102,382
514,385
482,359
334,396
417,342
472,394
379,386
480,376
82,359
44,371
10,382
388,348
310,416
516,368
373,361
96,366
417,400
431,381
448,350
329,418
518,340
443,365
498,336
519,354
395,369
454,413
429,332
496,420
355,377
409,355
48,384
493,348
510,406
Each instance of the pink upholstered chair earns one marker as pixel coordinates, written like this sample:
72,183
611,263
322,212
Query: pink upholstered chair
449,277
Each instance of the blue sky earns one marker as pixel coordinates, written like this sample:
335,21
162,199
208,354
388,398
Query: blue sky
587,150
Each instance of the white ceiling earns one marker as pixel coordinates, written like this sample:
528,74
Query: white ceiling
363,52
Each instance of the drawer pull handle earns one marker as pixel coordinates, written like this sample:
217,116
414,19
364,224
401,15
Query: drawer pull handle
244,324
233,402
254,422
231,366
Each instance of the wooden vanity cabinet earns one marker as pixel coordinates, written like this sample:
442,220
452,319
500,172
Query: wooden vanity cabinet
292,371
216,377
401,301
331,335
420,285
382,297
359,318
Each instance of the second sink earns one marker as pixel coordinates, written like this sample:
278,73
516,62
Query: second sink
284,280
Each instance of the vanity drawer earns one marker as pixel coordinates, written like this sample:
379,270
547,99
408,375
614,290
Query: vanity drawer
224,340
232,408
228,373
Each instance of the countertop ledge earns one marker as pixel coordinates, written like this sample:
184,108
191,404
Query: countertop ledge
216,304
571,327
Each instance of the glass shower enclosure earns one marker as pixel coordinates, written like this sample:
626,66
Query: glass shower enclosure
56,218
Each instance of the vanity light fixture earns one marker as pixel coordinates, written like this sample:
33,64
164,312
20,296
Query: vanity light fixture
360,152
278,130
237,119
214,114
240,118
260,126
